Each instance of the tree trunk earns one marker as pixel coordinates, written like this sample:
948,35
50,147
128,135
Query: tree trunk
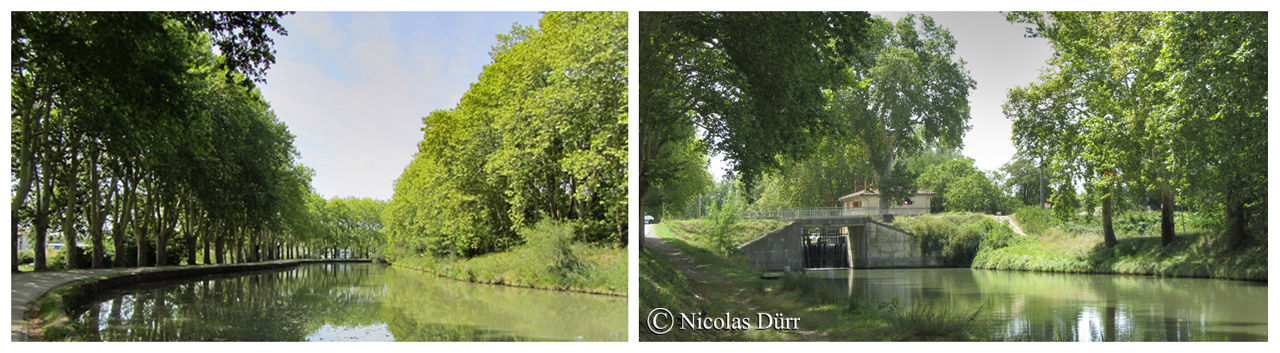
123,217
219,251
1108,234
205,241
71,212
141,230
42,233
1166,214
1235,221
191,244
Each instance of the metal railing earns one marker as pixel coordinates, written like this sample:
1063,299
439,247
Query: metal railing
827,212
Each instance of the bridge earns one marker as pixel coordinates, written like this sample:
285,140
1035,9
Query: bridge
830,212
835,238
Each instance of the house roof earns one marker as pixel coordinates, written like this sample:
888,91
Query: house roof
873,192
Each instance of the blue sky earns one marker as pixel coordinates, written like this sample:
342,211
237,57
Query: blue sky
353,86
998,58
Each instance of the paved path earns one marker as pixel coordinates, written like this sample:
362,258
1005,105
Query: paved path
25,287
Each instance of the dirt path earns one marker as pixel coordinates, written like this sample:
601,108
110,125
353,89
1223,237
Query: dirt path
678,258
1011,222
708,281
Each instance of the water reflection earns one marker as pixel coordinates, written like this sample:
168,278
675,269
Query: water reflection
347,302
1030,306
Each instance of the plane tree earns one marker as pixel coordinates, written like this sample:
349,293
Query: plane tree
913,94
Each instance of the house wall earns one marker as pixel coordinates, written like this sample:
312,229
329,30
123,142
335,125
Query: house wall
921,202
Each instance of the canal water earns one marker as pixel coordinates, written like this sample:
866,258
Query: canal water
1034,306
347,302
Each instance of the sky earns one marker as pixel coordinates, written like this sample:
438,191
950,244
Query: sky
353,87
998,57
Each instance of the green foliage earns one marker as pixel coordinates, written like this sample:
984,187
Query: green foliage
553,242
541,135
723,225
679,194
549,259
976,193
26,257
959,186
819,180
1143,102
149,119
957,237
912,95
753,81
1191,255
1034,219
1023,179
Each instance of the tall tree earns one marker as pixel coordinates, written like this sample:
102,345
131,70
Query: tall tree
913,94
541,134
750,84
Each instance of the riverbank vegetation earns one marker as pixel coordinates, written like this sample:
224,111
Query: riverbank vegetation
140,139
957,237
548,259
1075,246
524,181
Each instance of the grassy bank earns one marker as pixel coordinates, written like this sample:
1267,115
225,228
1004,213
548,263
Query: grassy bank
825,312
697,231
548,260
1075,246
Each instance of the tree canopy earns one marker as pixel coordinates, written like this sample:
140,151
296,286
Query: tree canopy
748,84
541,135
1153,101
145,129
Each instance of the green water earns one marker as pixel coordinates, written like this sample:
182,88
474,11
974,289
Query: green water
1031,306
348,302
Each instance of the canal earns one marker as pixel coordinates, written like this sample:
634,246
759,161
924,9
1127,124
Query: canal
347,302
1033,306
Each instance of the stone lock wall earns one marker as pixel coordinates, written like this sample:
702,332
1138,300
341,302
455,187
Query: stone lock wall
872,245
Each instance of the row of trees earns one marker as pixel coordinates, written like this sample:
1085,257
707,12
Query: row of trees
1159,102
541,135
142,133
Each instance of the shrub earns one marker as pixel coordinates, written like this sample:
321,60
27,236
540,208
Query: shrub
552,242
957,237
723,227
1033,219
26,257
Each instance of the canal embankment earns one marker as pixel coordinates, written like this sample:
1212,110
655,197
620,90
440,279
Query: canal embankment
549,259
41,301
1075,246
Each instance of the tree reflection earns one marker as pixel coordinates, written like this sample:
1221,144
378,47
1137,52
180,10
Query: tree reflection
289,305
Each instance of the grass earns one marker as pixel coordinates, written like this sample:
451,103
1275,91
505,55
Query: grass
697,231
549,260
825,312
1075,246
